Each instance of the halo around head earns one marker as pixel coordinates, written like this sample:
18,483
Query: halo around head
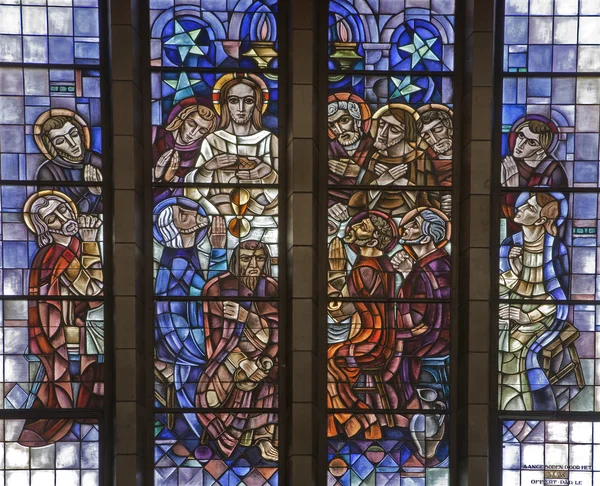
365,111
385,109
365,214
413,213
184,202
533,117
434,107
34,197
229,77
44,117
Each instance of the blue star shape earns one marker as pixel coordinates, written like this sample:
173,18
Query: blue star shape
420,49
182,86
185,41
404,88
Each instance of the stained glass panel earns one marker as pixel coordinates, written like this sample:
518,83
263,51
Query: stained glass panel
52,268
411,35
216,180
209,34
28,460
550,452
47,32
389,241
558,36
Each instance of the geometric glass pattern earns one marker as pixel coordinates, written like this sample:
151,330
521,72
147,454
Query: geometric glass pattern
52,268
548,214
216,246
389,233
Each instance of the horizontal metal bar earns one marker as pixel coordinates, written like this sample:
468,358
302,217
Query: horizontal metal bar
395,411
30,66
391,187
217,70
547,74
218,185
565,190
40,413
216,410
390,73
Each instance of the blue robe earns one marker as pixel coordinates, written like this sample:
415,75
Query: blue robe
179,330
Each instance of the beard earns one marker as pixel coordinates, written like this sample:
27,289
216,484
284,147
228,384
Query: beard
348,138
443,146
69,228
71,158
250,282
386,144
352,239
240,118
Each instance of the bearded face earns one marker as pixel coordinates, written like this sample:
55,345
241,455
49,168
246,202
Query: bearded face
60,219
360,233
347,130
438,136
390,132
252,264
68,142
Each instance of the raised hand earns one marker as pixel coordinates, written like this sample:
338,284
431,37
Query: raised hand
337,255
93,174
222,161
162,164
88,227
173,167
338,167
402,263
339,212
218,232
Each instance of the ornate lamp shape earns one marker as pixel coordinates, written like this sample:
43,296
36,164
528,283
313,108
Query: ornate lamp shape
239,226
262,50
344,51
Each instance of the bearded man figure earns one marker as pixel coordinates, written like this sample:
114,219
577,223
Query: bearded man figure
68,264
241,151
241,351
371,343
436,128
349,119
64,138
396,161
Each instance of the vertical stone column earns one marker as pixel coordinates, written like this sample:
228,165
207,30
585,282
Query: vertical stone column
131,425
474,246
302,143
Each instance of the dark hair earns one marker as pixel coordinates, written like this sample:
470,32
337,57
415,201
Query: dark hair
539,128
433,115
56,123
258,96
550,211
407,119
384,231
234,267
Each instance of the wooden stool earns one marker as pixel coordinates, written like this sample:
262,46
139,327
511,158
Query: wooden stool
564,342
378,389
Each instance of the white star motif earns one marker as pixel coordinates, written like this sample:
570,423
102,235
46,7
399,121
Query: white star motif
404,88
420,49
185,41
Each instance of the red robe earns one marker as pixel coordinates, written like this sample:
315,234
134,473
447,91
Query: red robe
53,271
371,347
256,338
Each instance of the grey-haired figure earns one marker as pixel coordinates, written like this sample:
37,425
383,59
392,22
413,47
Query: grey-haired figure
349,119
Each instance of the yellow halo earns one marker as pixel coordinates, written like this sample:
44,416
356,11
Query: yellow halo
216,96
44,117
34,197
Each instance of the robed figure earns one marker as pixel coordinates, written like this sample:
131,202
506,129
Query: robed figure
371,342
181,225
534,267
68,346
241,351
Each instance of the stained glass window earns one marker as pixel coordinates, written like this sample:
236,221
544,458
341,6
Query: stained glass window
215,128
548,129
51,242
390,144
